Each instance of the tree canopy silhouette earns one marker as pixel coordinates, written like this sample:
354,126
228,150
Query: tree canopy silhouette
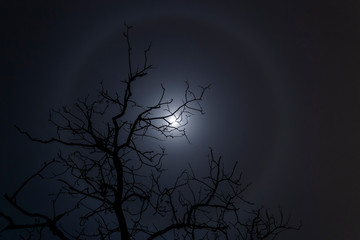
113,184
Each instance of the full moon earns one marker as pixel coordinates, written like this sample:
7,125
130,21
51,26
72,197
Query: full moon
172,121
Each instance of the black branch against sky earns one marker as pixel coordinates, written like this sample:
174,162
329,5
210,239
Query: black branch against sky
114,180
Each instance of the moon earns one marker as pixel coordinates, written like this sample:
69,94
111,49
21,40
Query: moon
172,121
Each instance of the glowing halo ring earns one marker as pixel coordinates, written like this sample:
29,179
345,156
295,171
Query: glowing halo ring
268,65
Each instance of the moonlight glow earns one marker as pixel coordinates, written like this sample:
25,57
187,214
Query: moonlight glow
173,122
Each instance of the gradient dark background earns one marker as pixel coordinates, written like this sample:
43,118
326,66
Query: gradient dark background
284,99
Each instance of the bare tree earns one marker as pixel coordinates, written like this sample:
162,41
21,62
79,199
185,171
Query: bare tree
116,184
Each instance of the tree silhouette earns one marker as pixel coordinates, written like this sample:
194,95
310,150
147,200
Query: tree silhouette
115,183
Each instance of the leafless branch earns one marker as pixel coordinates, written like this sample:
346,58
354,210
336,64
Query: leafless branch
114,182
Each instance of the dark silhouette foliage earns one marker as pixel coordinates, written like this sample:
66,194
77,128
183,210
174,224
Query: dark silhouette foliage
113,184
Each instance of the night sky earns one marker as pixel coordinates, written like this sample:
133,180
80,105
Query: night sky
284,99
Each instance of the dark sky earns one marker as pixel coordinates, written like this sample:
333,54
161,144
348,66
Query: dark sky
284,99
